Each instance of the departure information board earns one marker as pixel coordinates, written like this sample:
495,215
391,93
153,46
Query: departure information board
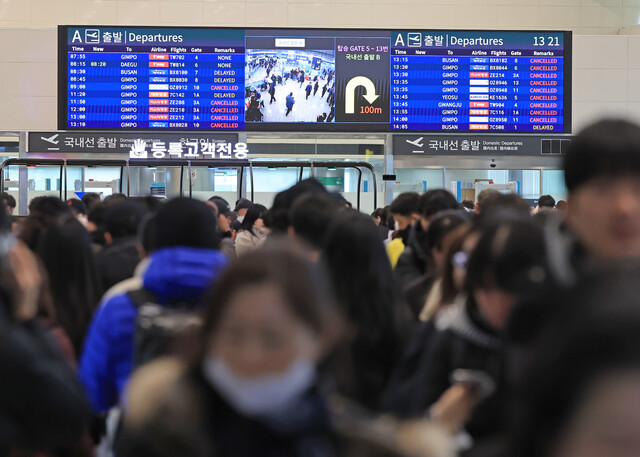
171,78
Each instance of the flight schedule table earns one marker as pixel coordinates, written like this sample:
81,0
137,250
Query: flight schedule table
477,81
141,82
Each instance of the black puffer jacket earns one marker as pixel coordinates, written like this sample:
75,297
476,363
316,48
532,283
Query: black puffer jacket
42,404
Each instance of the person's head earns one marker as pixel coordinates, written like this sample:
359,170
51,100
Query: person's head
310,217
440,226
468,205
482,197
577,393
561,206
96,216
185,222
48,207
546,202
404,210
89,199
114,198
9,202
268,321
380,216
66,252
224,225
602,174
362,276
79,211
242,206
434,201
122,220
253,218
497,207
277,218
508,263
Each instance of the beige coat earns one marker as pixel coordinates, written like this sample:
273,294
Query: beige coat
247,242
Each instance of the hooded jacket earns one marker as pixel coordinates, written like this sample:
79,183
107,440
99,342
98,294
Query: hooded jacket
174,274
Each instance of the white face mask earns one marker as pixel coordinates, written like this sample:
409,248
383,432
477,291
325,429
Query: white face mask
263,396
397,225
240,219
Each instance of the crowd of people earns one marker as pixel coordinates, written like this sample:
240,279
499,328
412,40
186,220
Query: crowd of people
290,83
137,327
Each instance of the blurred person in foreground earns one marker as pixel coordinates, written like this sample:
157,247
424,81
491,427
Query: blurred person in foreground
577,381
254,386
185,261
602,174
42,405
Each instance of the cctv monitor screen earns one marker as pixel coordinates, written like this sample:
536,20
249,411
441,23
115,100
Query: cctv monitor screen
170,78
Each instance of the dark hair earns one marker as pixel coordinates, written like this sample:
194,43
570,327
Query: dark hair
483,196
152,203
97,213
65,250
381,213
509,255
8,199
90,199
114,198
277,218
546,201
76,206
365,290
311,216
304,285
254,212
607,148
443,224
593,330
44,212
434,201
123,218
497,207
48,206
405,204
468,204
186,222
147,233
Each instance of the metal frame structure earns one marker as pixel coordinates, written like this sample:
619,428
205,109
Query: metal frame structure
127,164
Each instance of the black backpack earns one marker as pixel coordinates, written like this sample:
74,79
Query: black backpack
159,326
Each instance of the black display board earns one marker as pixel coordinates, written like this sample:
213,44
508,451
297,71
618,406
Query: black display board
176,78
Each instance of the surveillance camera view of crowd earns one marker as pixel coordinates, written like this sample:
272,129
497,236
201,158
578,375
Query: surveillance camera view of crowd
290,86
141,327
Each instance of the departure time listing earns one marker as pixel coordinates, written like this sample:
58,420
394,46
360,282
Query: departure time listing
151,80
482,81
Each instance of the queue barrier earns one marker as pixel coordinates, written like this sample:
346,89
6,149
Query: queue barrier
125,167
